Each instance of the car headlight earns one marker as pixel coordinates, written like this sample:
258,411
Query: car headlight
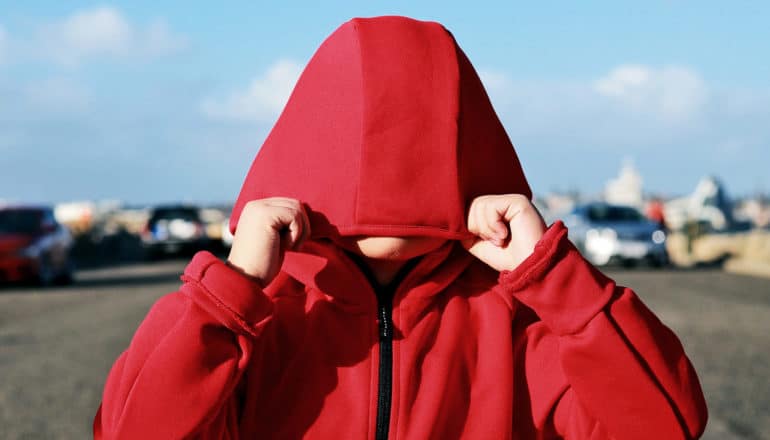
603,233
601,242
658,236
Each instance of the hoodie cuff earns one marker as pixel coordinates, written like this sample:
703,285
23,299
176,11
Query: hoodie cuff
234,299
558,284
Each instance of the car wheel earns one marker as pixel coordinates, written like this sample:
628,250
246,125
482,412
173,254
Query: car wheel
45,273
628,263
67,276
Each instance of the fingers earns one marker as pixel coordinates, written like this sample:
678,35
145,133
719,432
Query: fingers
489,216
289,217
476,222
305,226
494,215
487,220
482,221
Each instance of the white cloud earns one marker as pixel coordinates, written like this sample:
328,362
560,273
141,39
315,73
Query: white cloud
673,93
262,101
90,34
670,119
160,40
634,104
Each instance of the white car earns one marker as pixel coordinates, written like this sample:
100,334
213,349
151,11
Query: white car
607,233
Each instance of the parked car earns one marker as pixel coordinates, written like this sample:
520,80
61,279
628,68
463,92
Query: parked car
34,246
607,233
173,229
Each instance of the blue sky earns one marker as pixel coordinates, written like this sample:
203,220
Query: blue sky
158,101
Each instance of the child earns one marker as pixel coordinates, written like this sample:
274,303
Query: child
389,278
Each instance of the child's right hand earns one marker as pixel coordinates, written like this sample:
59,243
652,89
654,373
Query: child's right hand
266,229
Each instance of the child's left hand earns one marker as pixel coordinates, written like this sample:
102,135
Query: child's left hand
507,227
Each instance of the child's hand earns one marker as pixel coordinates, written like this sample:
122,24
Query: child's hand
266,229
507,228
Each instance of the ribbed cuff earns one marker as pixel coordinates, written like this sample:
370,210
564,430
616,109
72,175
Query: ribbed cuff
231,296
555,281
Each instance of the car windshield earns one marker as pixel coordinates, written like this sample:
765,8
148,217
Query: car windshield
175,213
20,221
608,213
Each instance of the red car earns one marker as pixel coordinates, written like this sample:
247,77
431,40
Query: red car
34,246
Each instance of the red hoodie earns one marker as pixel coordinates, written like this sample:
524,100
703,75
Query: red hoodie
389,132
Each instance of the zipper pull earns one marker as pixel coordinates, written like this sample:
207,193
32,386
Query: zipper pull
385,324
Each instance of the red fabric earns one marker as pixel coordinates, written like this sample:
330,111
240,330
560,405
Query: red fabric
388,115
552,349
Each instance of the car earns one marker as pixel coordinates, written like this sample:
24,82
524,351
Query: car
173,229
606,233
34,246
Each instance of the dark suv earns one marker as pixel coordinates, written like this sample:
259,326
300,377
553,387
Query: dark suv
34,246
173,229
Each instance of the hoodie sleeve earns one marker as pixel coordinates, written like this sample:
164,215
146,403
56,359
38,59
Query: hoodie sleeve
180,374
627,374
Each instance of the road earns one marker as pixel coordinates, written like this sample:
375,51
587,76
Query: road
57,345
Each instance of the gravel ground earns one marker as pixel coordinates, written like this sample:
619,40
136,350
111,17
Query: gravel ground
57,345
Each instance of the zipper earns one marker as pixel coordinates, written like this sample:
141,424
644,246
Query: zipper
385,386
384,294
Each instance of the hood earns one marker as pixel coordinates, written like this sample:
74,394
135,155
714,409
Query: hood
388,132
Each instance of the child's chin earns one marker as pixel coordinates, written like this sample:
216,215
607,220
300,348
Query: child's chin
393,248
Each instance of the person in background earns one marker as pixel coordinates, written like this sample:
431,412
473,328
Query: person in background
655,212
390,278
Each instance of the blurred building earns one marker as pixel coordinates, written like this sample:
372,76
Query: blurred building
709,204
626,189
77,216
557,205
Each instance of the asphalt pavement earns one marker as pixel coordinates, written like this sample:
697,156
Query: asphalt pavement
57,344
